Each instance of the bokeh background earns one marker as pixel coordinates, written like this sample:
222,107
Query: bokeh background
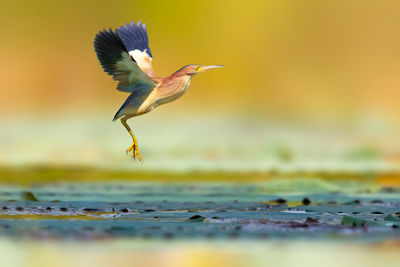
308,84
310,92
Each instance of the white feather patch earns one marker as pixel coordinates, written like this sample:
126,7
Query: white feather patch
143,60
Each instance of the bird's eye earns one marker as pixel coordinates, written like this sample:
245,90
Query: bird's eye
198,68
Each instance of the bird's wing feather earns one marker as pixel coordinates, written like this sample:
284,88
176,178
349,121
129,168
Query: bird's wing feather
135,38
116,61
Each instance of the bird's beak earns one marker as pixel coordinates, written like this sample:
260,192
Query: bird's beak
204,68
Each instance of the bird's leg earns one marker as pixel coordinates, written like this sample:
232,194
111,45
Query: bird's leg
134,147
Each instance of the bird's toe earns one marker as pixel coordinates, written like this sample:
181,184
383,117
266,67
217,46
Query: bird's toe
139,157
133,150
131,147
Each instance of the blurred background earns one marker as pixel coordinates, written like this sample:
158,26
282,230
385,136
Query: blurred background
311,90
308,84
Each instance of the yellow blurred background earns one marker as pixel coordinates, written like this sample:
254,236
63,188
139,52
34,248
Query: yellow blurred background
303,64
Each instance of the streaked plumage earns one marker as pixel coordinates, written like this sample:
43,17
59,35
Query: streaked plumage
125,55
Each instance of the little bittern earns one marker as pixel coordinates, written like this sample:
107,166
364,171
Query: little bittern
125,55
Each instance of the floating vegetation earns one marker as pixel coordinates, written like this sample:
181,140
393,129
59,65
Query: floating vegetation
200,210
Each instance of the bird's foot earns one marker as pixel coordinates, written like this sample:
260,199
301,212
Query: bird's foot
134,149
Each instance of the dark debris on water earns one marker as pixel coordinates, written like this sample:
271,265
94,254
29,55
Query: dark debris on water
196,212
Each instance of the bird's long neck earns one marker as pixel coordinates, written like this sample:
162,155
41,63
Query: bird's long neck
177,81
172,87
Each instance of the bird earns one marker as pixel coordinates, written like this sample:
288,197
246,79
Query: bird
124,54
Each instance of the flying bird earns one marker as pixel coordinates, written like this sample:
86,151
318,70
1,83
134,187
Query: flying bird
124,54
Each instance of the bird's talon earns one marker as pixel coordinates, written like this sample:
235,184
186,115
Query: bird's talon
138,156
135,153
130,148
133,150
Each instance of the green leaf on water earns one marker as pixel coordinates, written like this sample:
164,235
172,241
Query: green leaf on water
358,222
196,218
28,196
391,218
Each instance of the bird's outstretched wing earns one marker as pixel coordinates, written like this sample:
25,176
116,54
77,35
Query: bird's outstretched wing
135,38
116,59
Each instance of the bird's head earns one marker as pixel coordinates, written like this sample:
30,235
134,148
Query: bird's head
194,69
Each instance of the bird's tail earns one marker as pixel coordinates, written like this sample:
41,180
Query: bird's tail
118,114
